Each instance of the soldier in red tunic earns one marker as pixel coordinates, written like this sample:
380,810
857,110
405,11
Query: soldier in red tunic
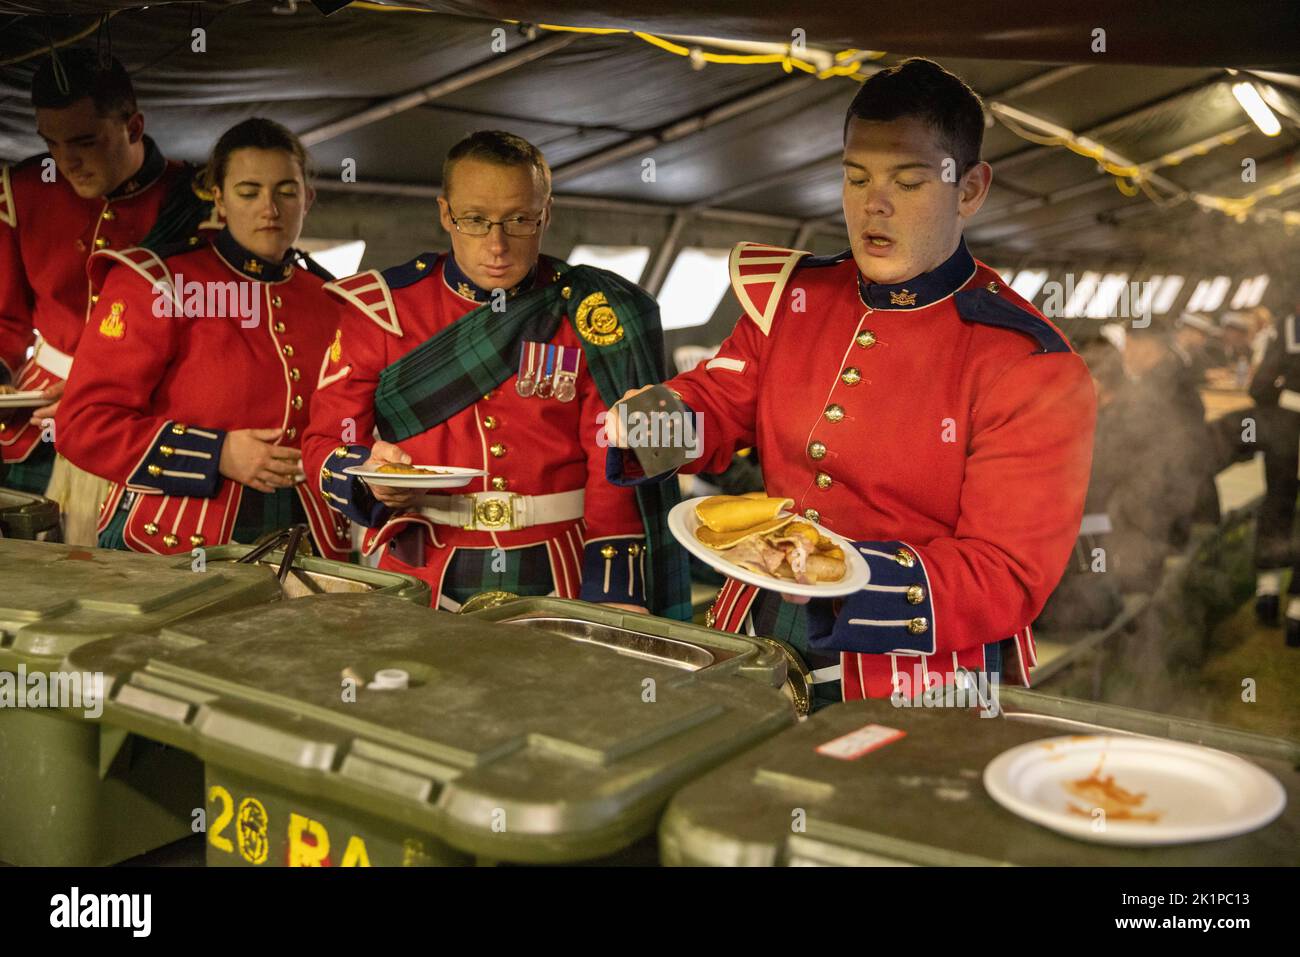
192,383
103,185
542,519
940,422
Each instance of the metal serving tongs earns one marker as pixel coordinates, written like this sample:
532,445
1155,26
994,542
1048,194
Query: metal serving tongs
291,538
992,708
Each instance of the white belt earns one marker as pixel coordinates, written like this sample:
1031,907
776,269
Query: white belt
51,359
502,511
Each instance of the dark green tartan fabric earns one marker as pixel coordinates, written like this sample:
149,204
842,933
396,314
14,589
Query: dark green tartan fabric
475,354
524,571
260,513
774,617
180,214
33,475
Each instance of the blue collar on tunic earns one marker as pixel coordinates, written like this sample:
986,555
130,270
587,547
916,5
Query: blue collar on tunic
923,290
250,264
149,172
463,286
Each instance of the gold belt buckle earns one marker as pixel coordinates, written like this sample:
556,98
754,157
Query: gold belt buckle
494,513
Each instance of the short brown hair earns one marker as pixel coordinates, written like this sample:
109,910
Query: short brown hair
256,133
923,89
66,76
497,146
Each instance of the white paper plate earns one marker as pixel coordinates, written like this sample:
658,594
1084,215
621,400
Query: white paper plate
682,522
23,400
454,478
1195,793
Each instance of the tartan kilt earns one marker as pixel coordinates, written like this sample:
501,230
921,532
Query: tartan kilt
521,571
33,474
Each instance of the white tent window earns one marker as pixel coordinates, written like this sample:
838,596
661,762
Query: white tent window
1103,303
1028,282
1250,292
1167,294
342,258
628,261
1142,295
695,285
1082,294
1209,294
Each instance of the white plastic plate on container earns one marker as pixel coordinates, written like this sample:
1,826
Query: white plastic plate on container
1122,789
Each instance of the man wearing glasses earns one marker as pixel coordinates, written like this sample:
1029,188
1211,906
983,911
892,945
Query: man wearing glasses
495,357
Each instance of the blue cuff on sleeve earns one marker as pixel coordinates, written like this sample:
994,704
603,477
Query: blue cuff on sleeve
347,494
623,469
893,613
613,569
184,460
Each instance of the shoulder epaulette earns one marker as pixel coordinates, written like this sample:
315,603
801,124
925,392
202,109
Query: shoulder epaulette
990,309
409,273
143,262
369,293
758,277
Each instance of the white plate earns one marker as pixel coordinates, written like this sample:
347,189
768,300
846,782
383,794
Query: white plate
455,477
682,522
1197,793
23,400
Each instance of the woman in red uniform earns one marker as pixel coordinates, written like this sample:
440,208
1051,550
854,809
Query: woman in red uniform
202,365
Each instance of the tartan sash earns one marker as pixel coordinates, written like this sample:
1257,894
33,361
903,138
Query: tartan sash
452,369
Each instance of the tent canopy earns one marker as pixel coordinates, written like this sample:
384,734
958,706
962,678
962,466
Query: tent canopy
754,145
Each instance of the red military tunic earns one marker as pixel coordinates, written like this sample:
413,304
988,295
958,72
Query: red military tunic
528,446
942,424
47,233
180,350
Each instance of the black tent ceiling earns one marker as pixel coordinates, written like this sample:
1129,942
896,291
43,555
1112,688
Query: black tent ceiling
746,138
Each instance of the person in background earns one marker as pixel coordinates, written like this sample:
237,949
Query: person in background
1197,343
103,184
1275,388
1157,476
192,384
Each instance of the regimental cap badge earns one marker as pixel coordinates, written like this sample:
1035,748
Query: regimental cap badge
336,347
902,298
597,322
112,326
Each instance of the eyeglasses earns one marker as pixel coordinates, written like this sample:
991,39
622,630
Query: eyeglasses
514,226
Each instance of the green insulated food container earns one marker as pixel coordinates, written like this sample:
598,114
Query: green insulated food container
919,798
25,516
361,729
74,791
322,576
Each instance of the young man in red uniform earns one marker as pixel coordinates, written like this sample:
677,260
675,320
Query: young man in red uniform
940,422
496,358
103,185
